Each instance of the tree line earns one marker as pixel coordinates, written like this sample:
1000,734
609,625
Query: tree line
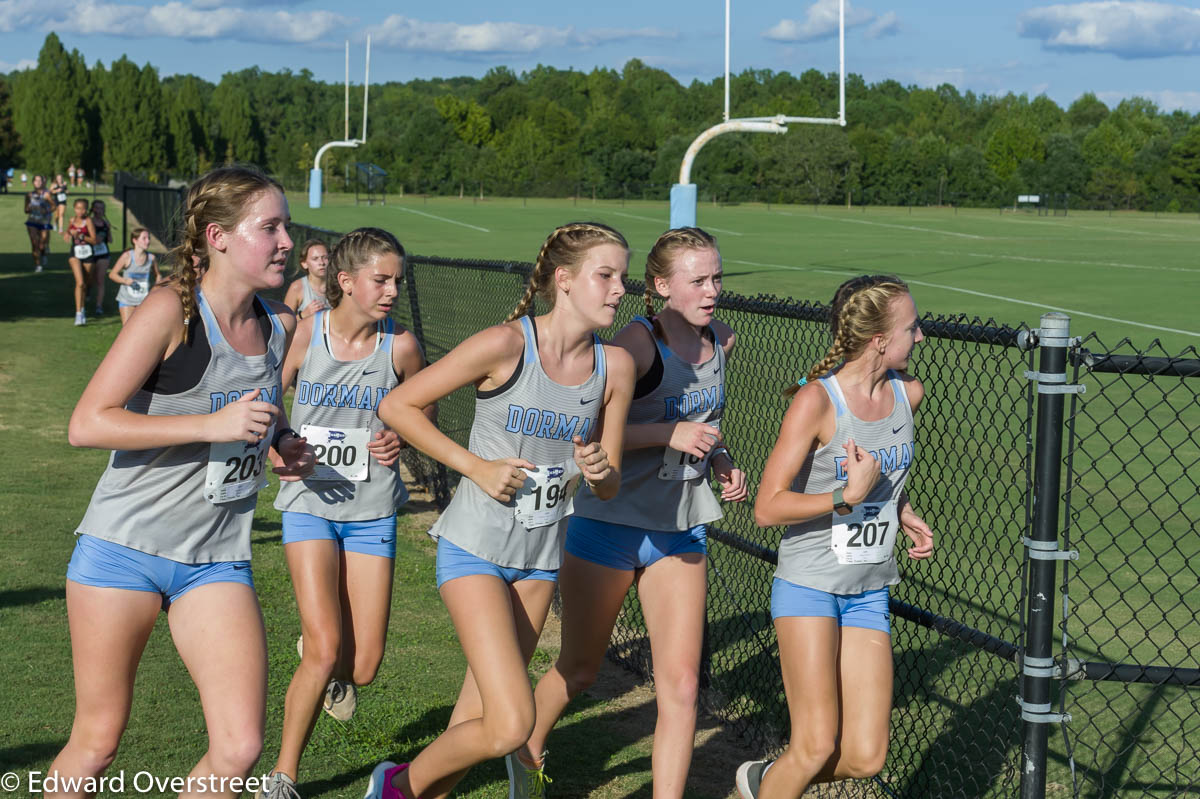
607,133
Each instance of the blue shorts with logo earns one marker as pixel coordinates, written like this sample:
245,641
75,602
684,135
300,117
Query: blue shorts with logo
868,609
620,546
454,561
372,537
103,564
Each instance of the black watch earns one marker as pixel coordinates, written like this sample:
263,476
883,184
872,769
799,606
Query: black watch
840,505
279,434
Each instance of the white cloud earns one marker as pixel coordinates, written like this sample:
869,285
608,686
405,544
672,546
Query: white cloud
171,20
1125,28
496,37
24,63
16,15
820,22
886,25
1167,100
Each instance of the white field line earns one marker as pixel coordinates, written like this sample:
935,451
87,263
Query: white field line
886,224
1071,226
1031,259
659,221
441,218
999,297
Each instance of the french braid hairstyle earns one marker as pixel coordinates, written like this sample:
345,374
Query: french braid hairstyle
220,197
565,247
302,255
861,310
661,259
353,252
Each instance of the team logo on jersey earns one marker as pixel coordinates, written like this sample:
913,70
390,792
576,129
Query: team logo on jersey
219,399
691,403
546,424
339,395
892,459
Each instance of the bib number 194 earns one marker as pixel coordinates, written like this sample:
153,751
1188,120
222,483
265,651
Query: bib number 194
547,495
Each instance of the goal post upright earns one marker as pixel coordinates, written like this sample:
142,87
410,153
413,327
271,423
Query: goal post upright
684,193
315,175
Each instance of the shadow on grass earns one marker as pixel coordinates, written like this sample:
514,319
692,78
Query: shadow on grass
31,596
18,758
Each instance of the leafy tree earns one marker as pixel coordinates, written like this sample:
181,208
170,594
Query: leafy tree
1013,142
238,134
190,147
132,122
10,142
1185,160
50,109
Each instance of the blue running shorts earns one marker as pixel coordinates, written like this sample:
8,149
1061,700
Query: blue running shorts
103,564
372,537
868,609
454,561
619,546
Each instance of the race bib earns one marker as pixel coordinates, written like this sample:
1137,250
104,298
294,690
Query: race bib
100,249
236,469
867,534
139,287
547,495
62,198
82,251
678,465
341,452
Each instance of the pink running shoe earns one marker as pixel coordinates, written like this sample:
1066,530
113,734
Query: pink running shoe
380,786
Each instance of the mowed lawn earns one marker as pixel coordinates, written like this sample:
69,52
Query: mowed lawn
602,746
1132,275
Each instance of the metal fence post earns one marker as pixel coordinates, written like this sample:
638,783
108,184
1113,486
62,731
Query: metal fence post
441,481
1041,543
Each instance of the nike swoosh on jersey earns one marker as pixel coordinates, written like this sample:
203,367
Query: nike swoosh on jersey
369,372
586,401
898,429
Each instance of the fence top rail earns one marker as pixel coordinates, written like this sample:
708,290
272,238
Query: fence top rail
1136,364
957,328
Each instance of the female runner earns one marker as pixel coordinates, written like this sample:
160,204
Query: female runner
100,254
39,208
59,190
141,273
339,525
306,295
550,407
188,398
654,536
81,235
836,478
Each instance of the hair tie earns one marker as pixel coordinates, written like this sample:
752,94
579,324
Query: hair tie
802,381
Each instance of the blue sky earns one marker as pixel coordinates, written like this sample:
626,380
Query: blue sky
1116,48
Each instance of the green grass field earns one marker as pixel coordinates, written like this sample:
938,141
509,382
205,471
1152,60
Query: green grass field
1126,275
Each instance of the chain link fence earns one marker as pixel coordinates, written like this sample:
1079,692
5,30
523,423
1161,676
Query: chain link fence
1125,627
155,207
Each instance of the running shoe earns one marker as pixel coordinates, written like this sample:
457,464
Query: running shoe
749,777
341,699
380,785
37,268
300,646
279,786
525,782
99,311
80,319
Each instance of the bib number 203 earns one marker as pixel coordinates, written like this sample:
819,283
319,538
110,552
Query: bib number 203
244,468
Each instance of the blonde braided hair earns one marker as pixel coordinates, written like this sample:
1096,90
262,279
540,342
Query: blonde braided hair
564,247
219,197
660,260
861,310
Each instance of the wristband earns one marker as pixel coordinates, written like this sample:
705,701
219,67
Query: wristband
721,451
279,434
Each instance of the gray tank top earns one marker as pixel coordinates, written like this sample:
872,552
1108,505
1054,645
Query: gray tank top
341,397
535,418
808,553
652,495
309,294
157,500
140,275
